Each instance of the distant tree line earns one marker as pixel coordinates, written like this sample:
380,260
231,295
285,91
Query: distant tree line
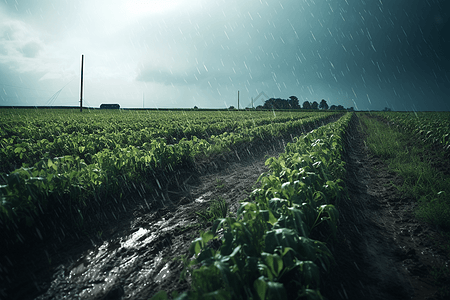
278,103
293,103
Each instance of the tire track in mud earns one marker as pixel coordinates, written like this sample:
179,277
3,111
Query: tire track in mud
382,251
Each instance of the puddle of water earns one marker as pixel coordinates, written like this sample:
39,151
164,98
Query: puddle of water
200,200
157,261
133,240
101,269
78,270
93,291
161,224
162,274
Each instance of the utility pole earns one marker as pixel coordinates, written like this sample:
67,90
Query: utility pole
81,90
238,100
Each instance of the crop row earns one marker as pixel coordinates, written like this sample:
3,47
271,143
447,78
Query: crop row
268,251
71,184
431,127
39,124
27,138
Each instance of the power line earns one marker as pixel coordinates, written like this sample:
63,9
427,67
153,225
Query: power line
55,95
24,88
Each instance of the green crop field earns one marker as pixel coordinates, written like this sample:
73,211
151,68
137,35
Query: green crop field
67,165
269,242
53,157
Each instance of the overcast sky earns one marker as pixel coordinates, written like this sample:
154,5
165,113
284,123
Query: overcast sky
368,54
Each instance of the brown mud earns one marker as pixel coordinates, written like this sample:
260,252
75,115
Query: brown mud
381,251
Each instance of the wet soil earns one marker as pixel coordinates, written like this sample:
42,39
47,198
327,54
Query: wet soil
381,252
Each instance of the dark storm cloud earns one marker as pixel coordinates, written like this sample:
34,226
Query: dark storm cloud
380,49
250,46
368,54
169,78
15,88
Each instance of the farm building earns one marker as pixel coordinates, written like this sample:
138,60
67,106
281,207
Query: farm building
109,106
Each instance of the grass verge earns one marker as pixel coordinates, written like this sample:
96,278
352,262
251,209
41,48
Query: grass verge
411,159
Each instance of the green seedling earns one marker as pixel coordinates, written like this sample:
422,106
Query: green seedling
217,209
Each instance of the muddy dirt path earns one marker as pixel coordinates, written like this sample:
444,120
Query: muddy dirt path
382,251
